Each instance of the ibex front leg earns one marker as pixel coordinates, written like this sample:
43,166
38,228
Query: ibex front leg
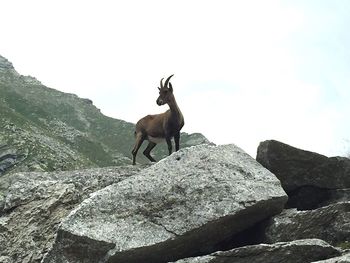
177,141
170,146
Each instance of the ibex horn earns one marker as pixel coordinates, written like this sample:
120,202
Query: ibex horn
161,83
167,81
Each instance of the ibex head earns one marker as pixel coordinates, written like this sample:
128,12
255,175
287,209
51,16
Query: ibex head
165,92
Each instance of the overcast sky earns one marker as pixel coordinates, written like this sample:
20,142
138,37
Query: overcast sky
245,71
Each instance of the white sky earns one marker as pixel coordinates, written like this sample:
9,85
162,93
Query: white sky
245,71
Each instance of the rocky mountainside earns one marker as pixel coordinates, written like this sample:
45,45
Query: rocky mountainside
42,129
202,204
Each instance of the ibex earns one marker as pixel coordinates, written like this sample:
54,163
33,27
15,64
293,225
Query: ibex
159,127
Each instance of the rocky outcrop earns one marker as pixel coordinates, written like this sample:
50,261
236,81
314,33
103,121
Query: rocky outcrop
310,179
299,251
5,64
32,205
330,223
8,158
313,182
202,204
182,206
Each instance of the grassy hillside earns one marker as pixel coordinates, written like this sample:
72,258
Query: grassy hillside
45,129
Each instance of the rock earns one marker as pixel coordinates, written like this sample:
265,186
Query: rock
337,196
5,64
31,80
8,158
192,139
88,101
295,167
330,223
7,161
4,259
305,176
34,204
21,188
342,259
309,197
302,251
181,206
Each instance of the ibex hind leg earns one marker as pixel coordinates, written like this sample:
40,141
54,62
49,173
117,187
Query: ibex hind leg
147,151
139,140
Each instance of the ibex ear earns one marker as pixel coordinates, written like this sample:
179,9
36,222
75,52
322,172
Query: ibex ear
170,87
158,88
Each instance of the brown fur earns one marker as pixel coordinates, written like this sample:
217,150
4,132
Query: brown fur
166,125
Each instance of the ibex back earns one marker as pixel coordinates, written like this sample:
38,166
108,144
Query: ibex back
160,127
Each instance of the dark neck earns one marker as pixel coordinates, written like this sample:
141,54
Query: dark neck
174,108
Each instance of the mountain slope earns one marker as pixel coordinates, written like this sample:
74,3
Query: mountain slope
45,129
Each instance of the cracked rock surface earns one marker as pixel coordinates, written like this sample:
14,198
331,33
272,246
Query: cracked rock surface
299,251
182,206
32,205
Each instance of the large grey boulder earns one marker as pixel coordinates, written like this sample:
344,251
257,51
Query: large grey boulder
34,204
296,167
308,178
299,251
330,223
182,206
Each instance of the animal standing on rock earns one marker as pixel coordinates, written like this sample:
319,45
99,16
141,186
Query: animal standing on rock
159,127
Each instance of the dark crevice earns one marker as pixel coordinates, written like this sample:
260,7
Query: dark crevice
307,197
